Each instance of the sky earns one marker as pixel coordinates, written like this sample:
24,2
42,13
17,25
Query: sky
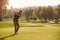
27,3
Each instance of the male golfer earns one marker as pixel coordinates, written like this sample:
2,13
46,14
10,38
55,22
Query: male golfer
15,20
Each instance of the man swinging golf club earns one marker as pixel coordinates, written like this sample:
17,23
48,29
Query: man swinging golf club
15,20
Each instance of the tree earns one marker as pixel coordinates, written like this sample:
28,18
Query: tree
44,14
50,11
38,12
58,10
57,14
2,7
28,13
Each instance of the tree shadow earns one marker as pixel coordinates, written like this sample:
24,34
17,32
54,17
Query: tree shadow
7,37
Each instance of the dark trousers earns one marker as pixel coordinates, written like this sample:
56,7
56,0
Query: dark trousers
16,25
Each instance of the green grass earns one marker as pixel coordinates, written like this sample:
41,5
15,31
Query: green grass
56,25
30,31
9,24
6,24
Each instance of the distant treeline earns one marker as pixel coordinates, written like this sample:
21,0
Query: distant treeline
43,13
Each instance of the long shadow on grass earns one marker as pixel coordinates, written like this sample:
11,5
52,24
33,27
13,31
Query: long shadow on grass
7,37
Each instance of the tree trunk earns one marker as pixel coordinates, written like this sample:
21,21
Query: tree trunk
0,18
56,20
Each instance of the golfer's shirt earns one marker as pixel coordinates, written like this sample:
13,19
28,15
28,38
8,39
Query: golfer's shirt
16,17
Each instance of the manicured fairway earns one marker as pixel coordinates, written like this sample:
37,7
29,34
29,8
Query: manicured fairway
39,32
31,33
